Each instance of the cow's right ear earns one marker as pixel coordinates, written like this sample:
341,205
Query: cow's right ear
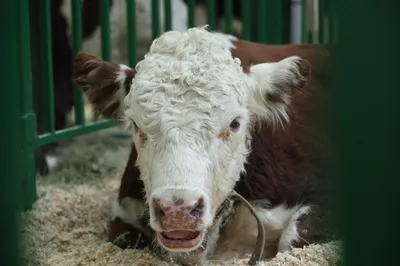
105,84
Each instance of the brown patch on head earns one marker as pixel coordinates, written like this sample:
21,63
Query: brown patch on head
143,137
225,134
246,69
98,80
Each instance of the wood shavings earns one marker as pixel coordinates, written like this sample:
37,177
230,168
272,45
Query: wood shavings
68,227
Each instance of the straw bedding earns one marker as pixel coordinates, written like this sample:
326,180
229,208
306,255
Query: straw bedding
67,225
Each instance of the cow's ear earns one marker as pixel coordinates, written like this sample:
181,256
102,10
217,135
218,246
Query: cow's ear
273,84
105,84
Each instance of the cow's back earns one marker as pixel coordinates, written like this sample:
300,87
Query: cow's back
283,166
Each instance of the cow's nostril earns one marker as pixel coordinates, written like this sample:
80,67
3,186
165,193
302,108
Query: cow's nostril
158,209
198,209
177,205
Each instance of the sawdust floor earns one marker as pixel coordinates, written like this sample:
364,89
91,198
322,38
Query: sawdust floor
67,225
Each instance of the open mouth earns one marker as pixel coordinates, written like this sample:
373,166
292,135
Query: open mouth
178,239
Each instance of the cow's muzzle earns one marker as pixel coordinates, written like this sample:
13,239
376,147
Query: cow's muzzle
179,215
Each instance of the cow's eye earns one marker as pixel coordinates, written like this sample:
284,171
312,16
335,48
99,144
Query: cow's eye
235,125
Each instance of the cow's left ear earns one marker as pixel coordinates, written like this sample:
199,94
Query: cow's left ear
273,84
105,84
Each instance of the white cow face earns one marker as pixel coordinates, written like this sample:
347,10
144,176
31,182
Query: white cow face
191,107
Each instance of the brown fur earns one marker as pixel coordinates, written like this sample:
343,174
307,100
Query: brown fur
102,76
251,53
280,168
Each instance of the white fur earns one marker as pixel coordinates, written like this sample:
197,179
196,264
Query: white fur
240,236
52,161
266,76
185,92
226,40
129,211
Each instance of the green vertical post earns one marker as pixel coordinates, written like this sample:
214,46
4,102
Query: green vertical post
366,130
76,11
131,26
268,21
304,21
191,13
27,130
211,14
27,115
37,61
155,18
246,19
47,65
228,16
332,19
261,21
105,29
168,15
321,21
17,190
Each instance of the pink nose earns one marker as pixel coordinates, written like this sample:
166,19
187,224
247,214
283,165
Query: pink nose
174,205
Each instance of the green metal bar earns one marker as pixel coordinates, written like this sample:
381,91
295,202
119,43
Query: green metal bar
17,136
304,21
76,11
28,118
131,24
191,12
155,18
268,23
75,131
105,29
47,65
310,35
211,14
262,12
38,90
331,21
246,19
168,15
228,16
13,161
321,21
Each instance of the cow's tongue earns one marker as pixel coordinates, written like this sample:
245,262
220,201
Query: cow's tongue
179,234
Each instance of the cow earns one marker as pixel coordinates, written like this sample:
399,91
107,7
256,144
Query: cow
210,115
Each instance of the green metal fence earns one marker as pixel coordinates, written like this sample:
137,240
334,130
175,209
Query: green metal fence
262,21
